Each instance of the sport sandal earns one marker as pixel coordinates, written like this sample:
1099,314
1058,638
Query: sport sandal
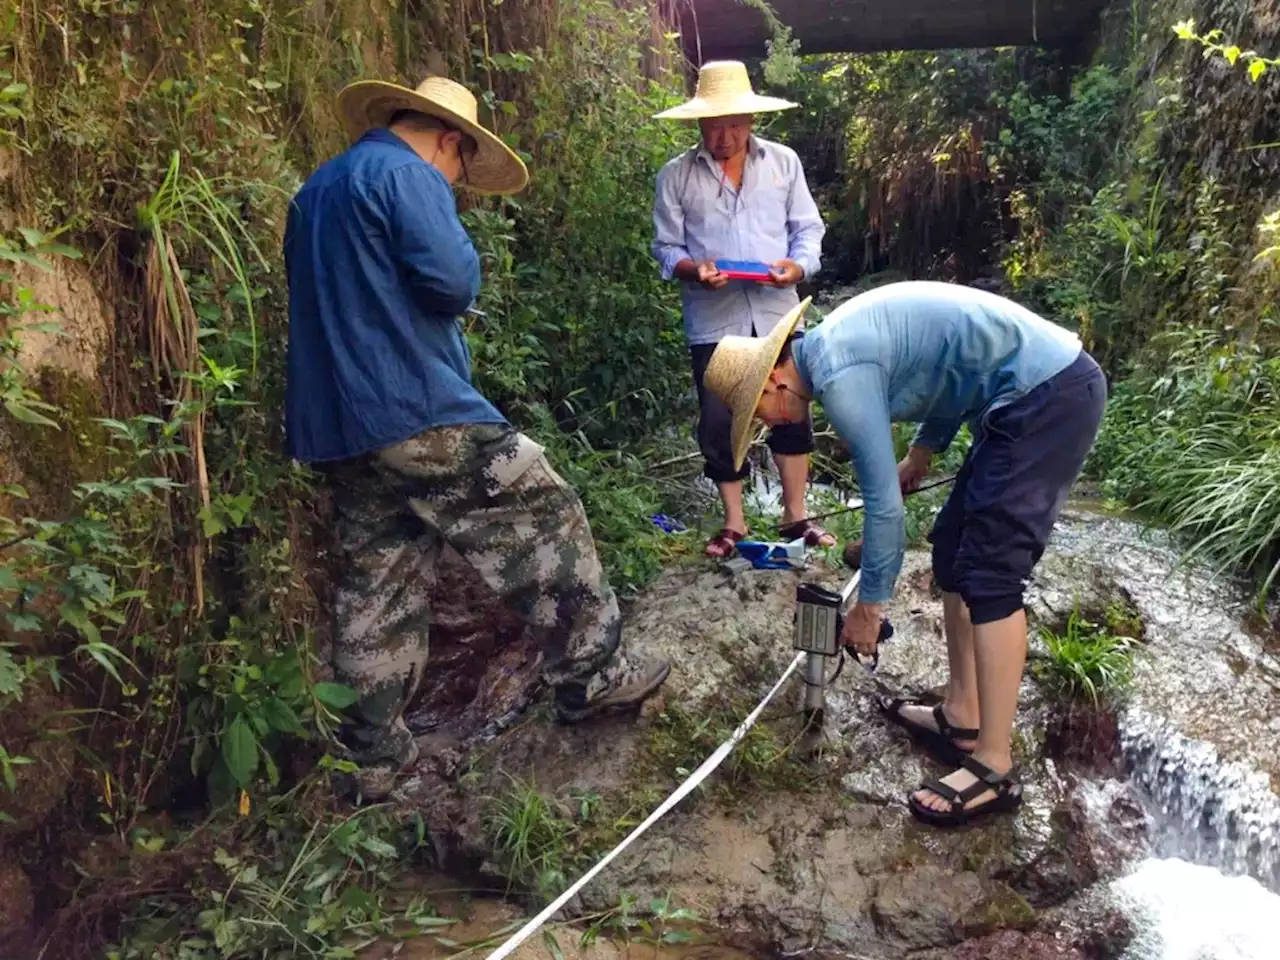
1006,790
941,742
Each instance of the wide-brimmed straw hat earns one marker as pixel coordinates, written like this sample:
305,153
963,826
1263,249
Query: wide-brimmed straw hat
738,371
372,103
724,90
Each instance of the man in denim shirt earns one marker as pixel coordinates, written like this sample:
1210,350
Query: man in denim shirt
380,399
738,197
940,355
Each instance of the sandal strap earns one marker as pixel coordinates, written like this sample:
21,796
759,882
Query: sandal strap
955,797
949,731
810,531
987,777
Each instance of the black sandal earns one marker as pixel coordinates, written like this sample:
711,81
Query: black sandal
941,741
1007,790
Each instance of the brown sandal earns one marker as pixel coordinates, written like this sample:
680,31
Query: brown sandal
810,531
724,543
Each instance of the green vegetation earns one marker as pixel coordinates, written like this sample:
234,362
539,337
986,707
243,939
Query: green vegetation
1087,661
163,573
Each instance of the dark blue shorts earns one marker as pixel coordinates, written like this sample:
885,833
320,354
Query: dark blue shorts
993,528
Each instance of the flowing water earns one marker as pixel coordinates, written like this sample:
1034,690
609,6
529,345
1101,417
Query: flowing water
1201,743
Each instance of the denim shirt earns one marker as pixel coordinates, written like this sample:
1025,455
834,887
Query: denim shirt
699,216
379,268
936,354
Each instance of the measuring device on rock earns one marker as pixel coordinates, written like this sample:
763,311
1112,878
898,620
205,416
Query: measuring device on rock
819,621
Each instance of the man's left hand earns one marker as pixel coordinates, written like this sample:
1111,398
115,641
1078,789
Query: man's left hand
862,628
786,273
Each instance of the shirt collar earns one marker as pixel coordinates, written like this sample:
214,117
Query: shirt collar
385,135
755,148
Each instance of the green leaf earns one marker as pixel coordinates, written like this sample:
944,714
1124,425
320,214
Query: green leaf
1256,69
1232,53
240,751
23,411
9,579
12,675
281,716
553,947
336,696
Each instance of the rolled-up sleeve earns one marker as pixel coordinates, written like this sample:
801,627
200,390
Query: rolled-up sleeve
936,435
805,228
430,242
668,223
856,402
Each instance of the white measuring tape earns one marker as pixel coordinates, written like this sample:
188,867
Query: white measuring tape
695,778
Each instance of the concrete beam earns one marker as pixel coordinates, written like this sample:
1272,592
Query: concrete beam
732,29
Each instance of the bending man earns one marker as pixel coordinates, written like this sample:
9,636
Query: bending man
940,355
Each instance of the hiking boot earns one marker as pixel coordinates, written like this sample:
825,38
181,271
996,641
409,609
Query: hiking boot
622,683
374,782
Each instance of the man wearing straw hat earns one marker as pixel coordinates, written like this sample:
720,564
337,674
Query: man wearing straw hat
941,355
737,196
380,399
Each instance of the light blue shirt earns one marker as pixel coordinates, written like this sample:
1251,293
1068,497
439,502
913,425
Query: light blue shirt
936,354
699,216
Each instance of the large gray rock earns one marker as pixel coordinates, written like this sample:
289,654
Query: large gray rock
790,845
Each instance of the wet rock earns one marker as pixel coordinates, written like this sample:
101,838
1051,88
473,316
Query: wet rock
1063,866
925,906
1024,946
928,906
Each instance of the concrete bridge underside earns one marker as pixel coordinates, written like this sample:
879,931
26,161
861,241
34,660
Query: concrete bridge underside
733,29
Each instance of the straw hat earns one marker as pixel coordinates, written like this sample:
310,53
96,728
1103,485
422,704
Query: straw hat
724,90
738,370
372,103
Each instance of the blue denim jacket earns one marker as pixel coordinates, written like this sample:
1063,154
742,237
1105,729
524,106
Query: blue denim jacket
936,354
699,216
379,269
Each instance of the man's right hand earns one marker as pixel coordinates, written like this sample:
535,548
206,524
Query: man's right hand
710,277
914,468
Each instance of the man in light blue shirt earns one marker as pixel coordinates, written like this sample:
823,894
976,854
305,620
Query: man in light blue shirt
739,197
940,355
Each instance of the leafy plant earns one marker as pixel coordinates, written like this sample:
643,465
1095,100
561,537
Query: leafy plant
1086,661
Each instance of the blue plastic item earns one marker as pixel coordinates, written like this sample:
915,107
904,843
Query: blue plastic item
767,556
744,269
668,524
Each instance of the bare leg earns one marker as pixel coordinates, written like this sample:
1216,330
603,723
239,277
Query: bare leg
1000,653
961,703
794,471
731,496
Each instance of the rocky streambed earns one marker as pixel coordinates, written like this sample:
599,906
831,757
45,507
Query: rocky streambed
789,850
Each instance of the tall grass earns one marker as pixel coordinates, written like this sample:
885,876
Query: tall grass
1194,443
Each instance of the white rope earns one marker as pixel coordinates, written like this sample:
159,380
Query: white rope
680,793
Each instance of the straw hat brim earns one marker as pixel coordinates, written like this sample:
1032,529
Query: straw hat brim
748,368
732,106
495,169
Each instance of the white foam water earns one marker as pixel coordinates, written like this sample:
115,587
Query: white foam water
1203,809
1183,911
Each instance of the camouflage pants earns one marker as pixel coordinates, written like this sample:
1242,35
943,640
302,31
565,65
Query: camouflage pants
490,493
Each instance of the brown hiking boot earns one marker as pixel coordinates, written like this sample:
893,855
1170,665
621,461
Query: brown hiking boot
622,683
